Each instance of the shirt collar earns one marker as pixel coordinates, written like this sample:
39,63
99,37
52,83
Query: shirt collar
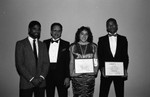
31,39
56,39
109,34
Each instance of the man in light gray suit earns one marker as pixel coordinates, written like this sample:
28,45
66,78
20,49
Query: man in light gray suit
32,62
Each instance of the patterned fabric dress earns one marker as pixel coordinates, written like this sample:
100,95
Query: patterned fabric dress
83,85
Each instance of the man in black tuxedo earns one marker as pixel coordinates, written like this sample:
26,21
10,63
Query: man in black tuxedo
112,48
58,75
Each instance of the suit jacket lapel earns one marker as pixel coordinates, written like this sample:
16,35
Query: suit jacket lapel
60,48
39,54
108,46
118,44
28,44
48,44
29,47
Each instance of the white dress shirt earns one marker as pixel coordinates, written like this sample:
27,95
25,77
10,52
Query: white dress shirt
36,43
53,51
113,44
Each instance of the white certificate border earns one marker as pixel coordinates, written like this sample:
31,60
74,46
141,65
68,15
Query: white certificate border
84,60
122,74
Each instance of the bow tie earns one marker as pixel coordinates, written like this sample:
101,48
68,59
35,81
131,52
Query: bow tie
54,41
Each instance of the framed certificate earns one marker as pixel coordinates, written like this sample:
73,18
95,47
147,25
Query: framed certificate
114,69
84,66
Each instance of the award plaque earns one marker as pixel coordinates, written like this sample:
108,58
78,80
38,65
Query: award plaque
84,66
114,69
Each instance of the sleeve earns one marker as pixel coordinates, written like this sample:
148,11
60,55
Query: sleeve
100,54
19,61
67,55
45,62
125,54
71,65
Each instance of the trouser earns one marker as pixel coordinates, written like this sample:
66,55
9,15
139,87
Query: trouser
106,83
52,82
37,91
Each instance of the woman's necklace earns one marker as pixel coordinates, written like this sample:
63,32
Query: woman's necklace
83,51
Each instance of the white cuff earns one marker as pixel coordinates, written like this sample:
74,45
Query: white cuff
31,79
42,77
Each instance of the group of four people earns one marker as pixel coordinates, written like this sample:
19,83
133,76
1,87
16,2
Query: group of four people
52,63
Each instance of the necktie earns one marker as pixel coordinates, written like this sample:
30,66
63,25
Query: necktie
34,49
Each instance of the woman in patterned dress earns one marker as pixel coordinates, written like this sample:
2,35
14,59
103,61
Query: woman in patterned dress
83,48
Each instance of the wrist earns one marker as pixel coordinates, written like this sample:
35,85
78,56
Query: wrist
31,79
42,77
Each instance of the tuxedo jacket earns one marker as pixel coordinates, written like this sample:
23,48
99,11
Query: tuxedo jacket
62,65
104,51
26,64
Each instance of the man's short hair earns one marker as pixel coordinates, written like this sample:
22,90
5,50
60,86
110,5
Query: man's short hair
33,23
111,19
58,24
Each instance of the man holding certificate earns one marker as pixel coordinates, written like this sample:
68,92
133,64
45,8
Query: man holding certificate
113,60
83,63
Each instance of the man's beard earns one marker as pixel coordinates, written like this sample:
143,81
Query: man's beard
34,36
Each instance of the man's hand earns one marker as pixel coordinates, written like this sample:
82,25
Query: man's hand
40,80
37,81
103,72
67,82
125,73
